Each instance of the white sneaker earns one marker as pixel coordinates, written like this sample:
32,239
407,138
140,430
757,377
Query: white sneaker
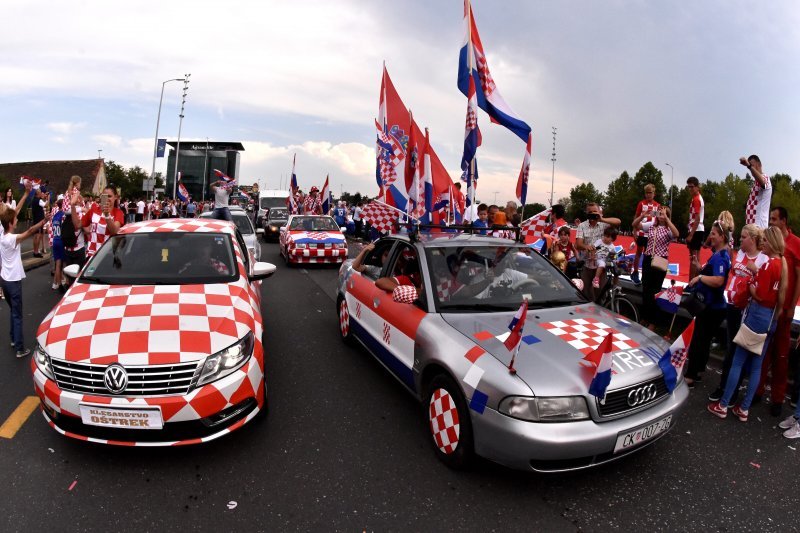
54,286
788,422
793,432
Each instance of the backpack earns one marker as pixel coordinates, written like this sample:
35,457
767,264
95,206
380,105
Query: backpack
68,237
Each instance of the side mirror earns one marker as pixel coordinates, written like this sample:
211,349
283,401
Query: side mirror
261,271
260,231
343,230
405,294
71,271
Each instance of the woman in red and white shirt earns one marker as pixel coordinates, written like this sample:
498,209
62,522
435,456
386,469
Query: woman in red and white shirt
744,266
659,236
766,300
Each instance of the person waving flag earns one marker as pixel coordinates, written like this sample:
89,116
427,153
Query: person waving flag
472,65
223,177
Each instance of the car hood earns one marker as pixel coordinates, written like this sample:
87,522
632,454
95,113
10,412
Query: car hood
139,325
555,341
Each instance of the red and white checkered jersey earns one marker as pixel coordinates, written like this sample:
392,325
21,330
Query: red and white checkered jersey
697,212
658,239
740,277
98,229
757,209
650,209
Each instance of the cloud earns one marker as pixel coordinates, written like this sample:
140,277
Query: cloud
65,128
108,140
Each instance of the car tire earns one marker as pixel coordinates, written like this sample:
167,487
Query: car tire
449,424
344,320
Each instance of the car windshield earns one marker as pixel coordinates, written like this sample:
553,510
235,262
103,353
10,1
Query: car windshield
278,214
273,201
163,258
314,224
496,278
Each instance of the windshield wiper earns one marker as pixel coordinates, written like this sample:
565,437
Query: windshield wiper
476,307
554,302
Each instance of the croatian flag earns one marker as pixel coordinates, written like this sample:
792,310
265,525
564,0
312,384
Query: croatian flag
670,299
222,176
36,183
671,363
181,192
522,181
472,66
472,139
290,201
326,198
427,180
536,226
602,358
516,325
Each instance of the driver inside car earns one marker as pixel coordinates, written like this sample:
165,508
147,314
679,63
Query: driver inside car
204,262
493,277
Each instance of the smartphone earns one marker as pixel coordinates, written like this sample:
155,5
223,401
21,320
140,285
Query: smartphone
104,201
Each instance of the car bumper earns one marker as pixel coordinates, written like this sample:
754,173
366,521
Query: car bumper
317,255
558,447
204,414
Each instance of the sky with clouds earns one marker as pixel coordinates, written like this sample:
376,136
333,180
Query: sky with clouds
695,84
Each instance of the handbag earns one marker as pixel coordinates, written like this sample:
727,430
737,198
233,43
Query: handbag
659,263
750,340
693,301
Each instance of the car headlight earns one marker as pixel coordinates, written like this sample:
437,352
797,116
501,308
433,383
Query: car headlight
341,245
300,246
43,361
273,228
225,362
552,409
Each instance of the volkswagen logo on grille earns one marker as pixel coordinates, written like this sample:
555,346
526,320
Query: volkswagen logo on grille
642,395
115,379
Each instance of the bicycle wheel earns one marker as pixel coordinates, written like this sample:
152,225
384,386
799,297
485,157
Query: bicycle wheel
626,308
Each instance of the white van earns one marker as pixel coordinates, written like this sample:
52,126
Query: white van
267,199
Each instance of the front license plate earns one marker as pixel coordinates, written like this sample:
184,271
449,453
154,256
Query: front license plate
636,437
116,417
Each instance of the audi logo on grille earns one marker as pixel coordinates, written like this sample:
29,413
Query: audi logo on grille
115,378
642,395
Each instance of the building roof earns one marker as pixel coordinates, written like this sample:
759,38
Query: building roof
58,173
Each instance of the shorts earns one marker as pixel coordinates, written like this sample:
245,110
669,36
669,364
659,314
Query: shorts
38,215
697,241
58,251
641,241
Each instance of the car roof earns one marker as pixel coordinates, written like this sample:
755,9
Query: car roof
180,225
438,240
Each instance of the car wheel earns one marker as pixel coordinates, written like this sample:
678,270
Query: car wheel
344,321
449,422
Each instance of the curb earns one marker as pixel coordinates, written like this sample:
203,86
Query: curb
31,262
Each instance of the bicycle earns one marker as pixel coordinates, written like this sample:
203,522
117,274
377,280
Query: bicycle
611,295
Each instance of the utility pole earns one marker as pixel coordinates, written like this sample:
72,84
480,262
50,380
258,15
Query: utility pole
178,145
553,159
671,183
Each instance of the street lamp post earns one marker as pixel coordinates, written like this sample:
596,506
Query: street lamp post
205,171
553,176
178,144
671,183
158,123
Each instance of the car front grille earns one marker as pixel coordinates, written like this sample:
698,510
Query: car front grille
617,400
152,380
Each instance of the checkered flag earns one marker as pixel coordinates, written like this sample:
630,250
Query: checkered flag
380,216
536,226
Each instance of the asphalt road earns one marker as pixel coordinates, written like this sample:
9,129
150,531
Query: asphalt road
345,448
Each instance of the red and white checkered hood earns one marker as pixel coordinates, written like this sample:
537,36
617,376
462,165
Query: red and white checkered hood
161,324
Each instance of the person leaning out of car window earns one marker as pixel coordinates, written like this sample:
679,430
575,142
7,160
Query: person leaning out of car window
372,271
710,283
658,237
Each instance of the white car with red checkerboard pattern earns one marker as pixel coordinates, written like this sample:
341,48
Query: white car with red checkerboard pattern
446,347
158,341
312,239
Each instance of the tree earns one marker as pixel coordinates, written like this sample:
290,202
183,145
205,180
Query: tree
534,209
579,196
129,181
624,193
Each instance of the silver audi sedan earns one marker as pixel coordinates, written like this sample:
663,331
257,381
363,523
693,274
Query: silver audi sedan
442,336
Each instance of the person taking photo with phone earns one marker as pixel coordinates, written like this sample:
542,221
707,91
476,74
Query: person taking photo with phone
102,221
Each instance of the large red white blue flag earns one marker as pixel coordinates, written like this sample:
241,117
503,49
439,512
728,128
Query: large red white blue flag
472,139
393,126
671,363
472,65
181,192
222,176
325,195
522,181
426,174
602,358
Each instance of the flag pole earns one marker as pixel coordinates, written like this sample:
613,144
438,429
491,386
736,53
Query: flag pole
471,63
511,369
